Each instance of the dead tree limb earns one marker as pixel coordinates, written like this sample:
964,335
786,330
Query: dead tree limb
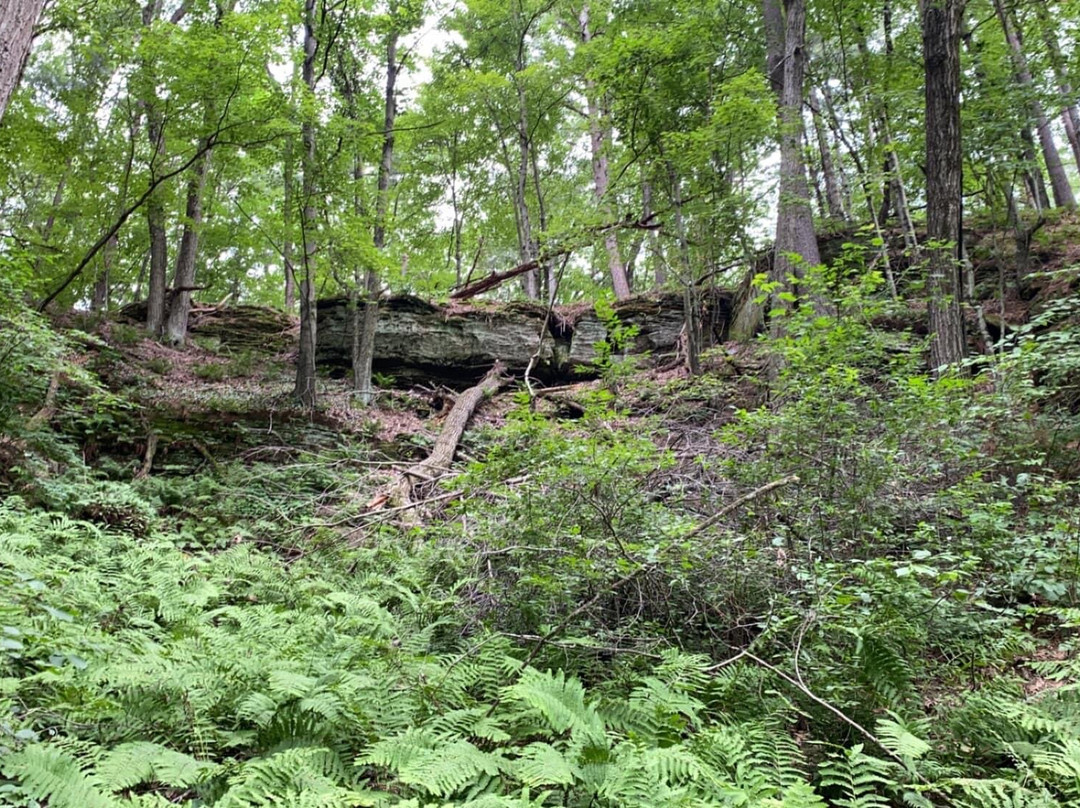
148,458
48,408
442,454
720,514
498,278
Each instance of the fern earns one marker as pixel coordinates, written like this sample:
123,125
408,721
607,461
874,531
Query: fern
558,700
1060,767
859,778
435,768
541,764
132,764
311,773
999,793
50,774
900,740
797,795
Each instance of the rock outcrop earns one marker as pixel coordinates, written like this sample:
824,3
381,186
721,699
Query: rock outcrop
418,340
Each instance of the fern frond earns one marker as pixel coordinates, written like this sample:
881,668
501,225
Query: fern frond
449,768
859,777
314,774
49,774
558,700
898,738
542,764
132,764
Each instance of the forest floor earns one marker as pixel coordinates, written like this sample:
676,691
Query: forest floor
850,584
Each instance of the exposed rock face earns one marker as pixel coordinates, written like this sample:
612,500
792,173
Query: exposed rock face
236,327
418,340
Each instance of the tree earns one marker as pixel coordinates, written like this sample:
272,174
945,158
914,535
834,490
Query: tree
305,389
364,354
941,26
796,242
17,21
599,135
1059,182
156,215
1070,114
184,275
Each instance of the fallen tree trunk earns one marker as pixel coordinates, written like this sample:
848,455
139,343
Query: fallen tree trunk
495,279
442,454
498,278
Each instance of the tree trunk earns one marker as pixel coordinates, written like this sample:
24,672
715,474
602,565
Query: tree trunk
305,390
527,245
833,197
903,210
795,221
1070,115
155,221
547,267
184,276
941,22
287,224
100,299
598,133
1034,180
155,205
692,325
1059,182
652,248
442,453
362,382
17,21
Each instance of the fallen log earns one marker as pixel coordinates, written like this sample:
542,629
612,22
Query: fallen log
442,454
498,278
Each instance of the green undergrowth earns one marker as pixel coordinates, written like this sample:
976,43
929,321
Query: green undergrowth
885,613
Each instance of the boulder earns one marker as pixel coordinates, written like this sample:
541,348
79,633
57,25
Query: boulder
456,344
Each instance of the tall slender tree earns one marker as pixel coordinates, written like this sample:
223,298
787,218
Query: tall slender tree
305,390
365,353
1070,113
599,135
184,275
796,242
1059,182
941,28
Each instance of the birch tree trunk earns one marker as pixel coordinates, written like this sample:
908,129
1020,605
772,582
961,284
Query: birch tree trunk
17,21
1059,182
941,22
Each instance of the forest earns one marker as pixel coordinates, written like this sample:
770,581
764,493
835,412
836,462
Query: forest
584,403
